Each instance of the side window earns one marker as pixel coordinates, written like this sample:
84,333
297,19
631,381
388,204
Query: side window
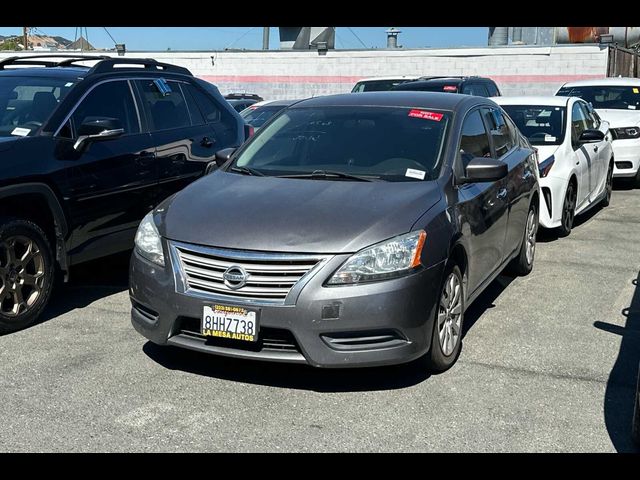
474,141
475,89
165,111
515,139
206,106
578,122
593,120
499,131
492,89
107,100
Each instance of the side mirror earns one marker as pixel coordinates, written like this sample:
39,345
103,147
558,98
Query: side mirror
591,136
96,129
482,169
222,156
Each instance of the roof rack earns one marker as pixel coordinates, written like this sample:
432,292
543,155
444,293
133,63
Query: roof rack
243,96
42,60
105,62
109,64
444,76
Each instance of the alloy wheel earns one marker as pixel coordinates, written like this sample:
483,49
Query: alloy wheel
568,212
450,314
530,236
21,275
609,186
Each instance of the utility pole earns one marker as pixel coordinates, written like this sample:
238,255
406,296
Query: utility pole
265,38
25,37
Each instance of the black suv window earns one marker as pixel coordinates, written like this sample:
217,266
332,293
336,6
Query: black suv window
108,100
492,89
207,110
476,89
499,131
474,141
165,111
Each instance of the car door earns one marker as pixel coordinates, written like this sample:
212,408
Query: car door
585,155
110,184
184,146
482,206
518,181
602,153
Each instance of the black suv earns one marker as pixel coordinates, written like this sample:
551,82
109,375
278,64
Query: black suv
240,101
85,153
479,86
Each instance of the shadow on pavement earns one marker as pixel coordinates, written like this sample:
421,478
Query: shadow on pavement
620,392
301,377
89,282
484,302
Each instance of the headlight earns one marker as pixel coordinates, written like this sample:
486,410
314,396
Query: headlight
625,133
544,167
392,258
148,243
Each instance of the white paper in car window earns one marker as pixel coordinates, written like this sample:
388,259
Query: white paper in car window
419,174
632,107
21,132
549,138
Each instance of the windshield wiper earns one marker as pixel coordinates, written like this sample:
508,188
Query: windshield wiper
330,174
247,171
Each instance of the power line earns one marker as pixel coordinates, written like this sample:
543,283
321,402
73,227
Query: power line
112,39
240,37
355,35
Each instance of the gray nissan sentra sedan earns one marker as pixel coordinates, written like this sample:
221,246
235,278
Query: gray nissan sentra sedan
352,230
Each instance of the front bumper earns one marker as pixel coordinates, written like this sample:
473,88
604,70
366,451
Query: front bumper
626,154
379,323
552,191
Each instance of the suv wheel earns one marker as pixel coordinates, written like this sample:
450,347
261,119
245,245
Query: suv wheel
26,273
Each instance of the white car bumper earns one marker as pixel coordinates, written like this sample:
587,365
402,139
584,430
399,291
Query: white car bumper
552,191
626,154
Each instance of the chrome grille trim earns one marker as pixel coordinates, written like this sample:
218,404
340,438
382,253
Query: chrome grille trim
272,277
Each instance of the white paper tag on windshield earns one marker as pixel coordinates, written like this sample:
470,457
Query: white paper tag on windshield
419,174
21,132
68,84
549,138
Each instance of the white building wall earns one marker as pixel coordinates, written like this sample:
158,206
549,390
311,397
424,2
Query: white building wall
275,74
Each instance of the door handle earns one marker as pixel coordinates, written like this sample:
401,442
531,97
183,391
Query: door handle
527,175
145,158
502,193
207,142
595,149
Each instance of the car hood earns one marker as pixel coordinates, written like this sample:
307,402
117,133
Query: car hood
7,142
545,151
229,210
620,118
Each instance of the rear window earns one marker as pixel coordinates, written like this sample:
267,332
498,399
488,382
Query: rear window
606,97
376,85
258,116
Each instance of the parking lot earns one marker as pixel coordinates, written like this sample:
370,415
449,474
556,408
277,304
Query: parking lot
548,363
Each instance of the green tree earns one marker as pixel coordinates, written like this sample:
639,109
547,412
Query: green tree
10,44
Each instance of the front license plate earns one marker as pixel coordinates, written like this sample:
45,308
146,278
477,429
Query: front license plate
234,323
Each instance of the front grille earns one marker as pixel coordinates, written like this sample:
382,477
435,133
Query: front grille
269,276
269,339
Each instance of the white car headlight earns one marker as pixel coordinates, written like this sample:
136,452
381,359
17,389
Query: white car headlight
148,243
392,258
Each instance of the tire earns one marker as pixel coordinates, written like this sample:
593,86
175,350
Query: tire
26,275
523,263
608,187
568,210
445,342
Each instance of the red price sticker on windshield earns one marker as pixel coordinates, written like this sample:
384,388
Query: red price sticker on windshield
426,115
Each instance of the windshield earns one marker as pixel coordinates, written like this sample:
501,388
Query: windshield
27,102
376,85
611,96
257,116
542,125
387,143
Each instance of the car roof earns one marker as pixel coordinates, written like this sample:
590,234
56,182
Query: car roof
397,77
601,82
48,72
435,100
551,101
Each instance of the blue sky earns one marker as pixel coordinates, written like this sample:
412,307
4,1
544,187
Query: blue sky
218,38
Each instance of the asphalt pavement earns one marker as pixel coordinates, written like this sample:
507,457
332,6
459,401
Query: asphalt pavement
548,364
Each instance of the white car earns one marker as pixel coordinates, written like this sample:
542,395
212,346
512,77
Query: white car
574,154
379,84
617,100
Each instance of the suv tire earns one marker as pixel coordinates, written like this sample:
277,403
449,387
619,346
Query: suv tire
27,273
